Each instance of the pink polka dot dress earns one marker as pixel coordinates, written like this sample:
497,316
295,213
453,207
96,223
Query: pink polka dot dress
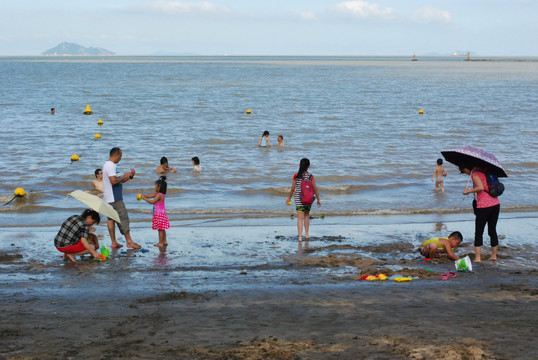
160,220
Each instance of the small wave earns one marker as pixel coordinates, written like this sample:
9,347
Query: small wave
257,213
356,188
337,189
529,164
347,188
340,178
271,191
217,141
365,178
425,136
329,118
317,144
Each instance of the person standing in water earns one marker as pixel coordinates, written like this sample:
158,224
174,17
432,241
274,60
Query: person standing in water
264,140
301,205
439,175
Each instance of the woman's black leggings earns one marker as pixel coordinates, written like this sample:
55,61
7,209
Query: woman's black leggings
488,215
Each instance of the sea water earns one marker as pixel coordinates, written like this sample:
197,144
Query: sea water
356,118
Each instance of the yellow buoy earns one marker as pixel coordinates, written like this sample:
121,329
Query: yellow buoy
100,122
421,111
249,111
74,157
19,192
97,136
88,111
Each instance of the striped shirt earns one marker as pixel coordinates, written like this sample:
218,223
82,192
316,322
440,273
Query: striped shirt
297,195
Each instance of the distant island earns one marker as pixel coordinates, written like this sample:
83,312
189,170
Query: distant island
66,48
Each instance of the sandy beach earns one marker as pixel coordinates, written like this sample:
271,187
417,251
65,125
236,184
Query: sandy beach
224,291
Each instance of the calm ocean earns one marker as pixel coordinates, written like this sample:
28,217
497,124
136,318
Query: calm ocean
355,118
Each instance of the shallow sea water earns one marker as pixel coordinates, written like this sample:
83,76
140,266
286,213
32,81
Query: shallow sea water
355,118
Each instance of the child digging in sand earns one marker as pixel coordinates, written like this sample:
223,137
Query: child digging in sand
160,220
434,248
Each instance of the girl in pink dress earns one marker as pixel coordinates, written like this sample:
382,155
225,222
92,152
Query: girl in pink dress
160,220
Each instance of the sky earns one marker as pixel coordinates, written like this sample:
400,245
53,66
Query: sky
273,27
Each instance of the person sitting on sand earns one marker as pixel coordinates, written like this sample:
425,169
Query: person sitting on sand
74,236
434,248
163,168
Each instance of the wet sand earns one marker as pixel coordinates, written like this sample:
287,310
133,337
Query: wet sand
223,291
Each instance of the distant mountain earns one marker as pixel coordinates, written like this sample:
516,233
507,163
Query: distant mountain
66,48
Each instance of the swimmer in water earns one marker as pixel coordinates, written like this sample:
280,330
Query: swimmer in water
264,140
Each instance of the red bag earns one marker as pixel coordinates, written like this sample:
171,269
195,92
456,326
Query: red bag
307,191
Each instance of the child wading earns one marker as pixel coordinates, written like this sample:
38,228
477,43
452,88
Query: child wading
439,175
303,201
160,220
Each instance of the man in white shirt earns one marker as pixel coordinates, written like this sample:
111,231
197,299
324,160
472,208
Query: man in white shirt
113,194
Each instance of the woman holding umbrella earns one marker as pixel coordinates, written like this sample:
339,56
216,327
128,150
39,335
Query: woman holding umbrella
475,163
486,212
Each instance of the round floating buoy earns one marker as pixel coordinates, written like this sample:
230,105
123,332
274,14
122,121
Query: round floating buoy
19,192
421,111
74,157
88,111
249,111
100,122
97,136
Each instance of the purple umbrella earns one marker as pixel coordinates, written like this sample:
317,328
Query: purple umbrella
471,156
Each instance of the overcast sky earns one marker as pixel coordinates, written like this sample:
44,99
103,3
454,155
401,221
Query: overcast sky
273,27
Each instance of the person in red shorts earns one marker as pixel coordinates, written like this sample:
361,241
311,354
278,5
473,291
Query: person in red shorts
74,236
